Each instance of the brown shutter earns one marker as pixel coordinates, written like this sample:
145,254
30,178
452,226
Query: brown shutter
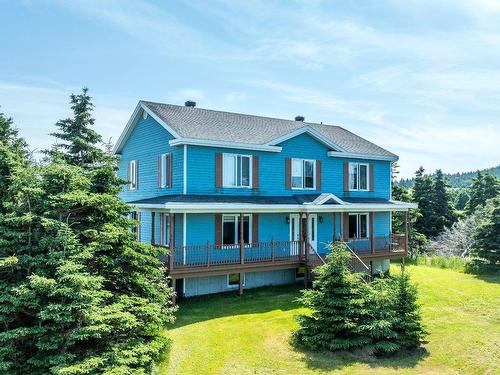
128,175
345,225
288,173
170,180
136,174
370,172
346,176
372,237
255,172
218,170
255,228
159,170
218,230
318,174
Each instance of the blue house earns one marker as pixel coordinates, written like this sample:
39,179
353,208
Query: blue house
243,201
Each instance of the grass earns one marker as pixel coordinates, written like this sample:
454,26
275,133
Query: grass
446,262
228,334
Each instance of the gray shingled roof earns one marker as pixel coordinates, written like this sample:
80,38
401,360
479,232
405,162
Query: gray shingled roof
206,124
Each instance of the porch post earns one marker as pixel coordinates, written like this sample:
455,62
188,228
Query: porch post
153,242
372,237
406,230
171,242
241,283
334,227
242,245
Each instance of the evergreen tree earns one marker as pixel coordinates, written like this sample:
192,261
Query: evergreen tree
407,322
442,210
338,304
79,140
461,199
484,186
422,194
487,237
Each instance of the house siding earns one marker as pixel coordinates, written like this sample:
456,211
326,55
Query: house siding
147,140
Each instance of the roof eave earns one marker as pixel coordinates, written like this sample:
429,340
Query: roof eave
354,155
220,144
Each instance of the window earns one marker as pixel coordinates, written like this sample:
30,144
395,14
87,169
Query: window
358,226
358,176
303,174
132,174
300,272
237,170
231,229
164,170
233,280
136,229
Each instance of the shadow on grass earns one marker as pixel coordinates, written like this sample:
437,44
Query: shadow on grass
253,301
329,361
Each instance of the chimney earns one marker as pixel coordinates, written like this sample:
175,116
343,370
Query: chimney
190,103
299,118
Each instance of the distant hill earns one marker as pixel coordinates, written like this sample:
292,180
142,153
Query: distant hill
456,180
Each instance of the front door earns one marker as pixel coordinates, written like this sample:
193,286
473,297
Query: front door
312,229
294,234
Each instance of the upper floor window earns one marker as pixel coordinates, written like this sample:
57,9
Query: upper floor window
165,170
133,174
358,176
237,170
303,174
358,226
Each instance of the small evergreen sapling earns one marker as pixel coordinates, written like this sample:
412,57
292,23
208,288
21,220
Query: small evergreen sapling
338,304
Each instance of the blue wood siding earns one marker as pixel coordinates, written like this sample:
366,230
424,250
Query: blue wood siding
201,170
147,140
218,284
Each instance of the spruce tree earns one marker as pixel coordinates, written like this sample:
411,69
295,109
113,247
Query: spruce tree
338,304
484,186
442,214
422,194
407,324
487,237
77,143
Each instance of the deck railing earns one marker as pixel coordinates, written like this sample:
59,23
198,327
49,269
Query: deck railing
210,254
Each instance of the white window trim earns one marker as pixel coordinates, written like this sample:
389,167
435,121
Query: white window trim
250,171
358,225
359,177
166,230
237,220
303,177
132,173
237,285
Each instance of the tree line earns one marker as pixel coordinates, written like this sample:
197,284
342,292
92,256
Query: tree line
79,294
438,226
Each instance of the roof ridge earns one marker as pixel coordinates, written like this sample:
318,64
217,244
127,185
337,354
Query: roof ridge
245,114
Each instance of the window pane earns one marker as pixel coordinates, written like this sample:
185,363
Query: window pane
166,232
234,279
353,176
297,173
363,226
246,230
229,170
309,174
228,230
163,170
353,226
363,177
245,171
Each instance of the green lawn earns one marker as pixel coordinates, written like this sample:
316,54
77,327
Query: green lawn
228,334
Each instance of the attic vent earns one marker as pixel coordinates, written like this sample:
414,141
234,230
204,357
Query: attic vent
190,103
299,118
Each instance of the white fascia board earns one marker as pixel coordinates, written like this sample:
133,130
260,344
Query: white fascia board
353,155
312,132
284,208
210,143
133,121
